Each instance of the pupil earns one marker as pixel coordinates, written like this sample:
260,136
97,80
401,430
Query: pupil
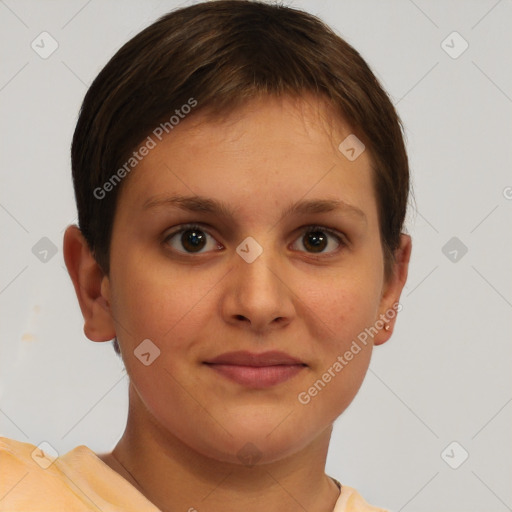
318,240
193,239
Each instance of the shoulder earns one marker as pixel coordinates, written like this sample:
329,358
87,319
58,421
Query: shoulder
28,477
15,456
34,479
351,501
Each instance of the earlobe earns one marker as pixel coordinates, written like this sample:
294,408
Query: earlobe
91,286
390,300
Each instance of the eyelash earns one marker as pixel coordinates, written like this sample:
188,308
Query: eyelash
306,229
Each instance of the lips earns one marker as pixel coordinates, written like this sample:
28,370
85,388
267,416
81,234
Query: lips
256,370
243,358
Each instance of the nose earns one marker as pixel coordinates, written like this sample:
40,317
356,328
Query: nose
259,295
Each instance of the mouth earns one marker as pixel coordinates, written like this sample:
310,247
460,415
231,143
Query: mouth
256,370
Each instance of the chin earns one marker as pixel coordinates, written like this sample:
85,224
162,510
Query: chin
253,445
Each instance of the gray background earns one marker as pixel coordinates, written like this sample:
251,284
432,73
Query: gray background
445,374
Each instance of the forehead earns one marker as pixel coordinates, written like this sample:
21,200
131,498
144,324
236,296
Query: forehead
267,151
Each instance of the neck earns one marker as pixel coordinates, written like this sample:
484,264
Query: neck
174,477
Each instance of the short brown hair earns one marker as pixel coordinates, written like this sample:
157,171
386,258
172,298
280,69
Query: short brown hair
224,53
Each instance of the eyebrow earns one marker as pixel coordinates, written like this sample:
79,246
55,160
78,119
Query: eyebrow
203,204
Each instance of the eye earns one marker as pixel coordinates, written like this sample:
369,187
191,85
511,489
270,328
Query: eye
193,239
316,238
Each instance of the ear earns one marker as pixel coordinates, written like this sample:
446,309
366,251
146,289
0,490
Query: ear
393,289
92,286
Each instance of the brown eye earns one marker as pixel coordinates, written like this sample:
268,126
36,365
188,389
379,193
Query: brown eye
316,238
193,239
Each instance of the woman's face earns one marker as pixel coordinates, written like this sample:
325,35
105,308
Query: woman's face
248,278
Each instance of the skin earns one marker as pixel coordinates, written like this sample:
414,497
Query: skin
187,424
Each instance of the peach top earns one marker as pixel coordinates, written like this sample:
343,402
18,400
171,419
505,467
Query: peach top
79,481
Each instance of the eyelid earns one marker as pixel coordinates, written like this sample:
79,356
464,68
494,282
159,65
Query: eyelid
189,225
340,237
331,231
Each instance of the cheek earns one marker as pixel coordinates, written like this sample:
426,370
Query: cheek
350,309
344,352
344,307
156,300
